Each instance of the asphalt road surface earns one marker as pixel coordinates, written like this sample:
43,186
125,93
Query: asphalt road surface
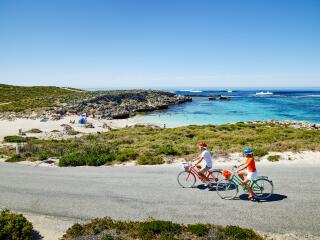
137,193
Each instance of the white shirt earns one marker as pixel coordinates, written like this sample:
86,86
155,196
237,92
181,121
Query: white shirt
207,158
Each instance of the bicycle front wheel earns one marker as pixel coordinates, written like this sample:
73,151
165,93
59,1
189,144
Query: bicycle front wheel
186,179
262,188
227,189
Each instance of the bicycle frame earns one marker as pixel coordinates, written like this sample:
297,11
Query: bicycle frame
238,181
235,178
191,169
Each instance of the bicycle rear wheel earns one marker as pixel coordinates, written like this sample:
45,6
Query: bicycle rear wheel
227,189
215,176
262,188
186,179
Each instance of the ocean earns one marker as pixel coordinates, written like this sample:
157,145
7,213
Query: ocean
243,105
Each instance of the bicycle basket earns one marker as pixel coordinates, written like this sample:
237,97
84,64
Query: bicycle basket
226,174
185,166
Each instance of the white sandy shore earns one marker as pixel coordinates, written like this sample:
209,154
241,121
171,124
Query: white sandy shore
8,127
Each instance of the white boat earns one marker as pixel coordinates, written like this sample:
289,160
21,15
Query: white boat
229,91
264,93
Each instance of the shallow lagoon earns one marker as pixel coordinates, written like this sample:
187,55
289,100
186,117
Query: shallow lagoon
243,105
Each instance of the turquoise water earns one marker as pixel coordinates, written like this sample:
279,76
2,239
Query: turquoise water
243,105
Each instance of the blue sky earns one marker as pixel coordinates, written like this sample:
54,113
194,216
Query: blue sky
154,44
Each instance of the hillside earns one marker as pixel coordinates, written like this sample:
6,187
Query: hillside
19,98
21,101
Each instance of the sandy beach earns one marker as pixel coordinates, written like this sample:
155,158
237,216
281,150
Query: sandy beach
11,127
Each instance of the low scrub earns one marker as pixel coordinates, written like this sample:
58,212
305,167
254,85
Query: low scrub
15,158
274,158
108,229
15,139
168,150
90,158
150,145
34,130
150,160
14,226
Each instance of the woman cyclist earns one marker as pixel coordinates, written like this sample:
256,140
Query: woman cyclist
206,157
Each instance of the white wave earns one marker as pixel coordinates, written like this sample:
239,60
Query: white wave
190,90
264,93
307,96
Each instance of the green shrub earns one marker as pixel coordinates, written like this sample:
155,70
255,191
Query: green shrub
157,227
150,160
42,156
168,150
274,158
199,229
72,132
90,157
260,152
14,139
34,130
238,233
72,160
15,158
14,226
110,237
76,230
125,155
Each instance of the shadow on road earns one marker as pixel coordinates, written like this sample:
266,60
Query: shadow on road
211,187
274,198
36,235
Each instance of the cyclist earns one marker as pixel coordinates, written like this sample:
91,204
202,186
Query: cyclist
206,157
251,172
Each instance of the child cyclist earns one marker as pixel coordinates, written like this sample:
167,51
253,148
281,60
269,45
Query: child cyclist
251,172
206,157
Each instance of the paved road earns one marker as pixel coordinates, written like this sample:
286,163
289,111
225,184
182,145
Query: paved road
141,192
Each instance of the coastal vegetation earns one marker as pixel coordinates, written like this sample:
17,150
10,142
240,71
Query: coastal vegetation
108,229
154,145
14,226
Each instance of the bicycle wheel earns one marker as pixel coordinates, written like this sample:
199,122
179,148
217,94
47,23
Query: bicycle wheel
215,176
227,189
262,188
186,179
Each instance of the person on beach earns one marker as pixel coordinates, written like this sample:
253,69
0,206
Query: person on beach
204,157
251,172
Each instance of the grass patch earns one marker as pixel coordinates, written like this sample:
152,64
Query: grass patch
14,226
274,158
108,229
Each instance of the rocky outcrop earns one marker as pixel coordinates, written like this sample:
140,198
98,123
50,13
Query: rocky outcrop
124,105
294,124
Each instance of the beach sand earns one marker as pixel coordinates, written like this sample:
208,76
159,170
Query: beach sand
8,127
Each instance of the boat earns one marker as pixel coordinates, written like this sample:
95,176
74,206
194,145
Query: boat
264,93
229,91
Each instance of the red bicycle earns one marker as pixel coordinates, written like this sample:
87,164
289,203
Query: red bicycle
188,177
